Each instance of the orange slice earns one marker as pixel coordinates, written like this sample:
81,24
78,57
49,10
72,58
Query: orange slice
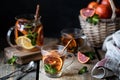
54,61
24,42
82,58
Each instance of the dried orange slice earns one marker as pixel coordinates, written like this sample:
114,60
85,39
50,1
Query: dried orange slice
87,12
24,42
55,62
82,58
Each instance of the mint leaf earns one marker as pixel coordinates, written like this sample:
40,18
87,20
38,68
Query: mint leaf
93,20
89,19
12,60
83,70
91,55
48,68
32,37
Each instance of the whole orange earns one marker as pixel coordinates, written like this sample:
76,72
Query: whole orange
93,4
106,2
103,11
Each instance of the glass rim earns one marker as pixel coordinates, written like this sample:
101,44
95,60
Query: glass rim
29,16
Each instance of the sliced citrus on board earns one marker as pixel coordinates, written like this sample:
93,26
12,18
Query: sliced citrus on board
82,58
24,42
87,12
55,62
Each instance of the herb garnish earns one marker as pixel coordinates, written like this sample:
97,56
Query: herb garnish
48,68
94,19
83,70
91,55
12,60
32,36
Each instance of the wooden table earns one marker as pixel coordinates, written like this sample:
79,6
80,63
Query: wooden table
71,73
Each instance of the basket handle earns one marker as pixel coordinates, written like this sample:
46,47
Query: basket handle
113,9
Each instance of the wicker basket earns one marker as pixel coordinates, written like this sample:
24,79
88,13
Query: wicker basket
96,34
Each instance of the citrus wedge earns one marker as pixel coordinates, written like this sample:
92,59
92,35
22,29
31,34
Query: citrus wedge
24,42
82,58
87,12
56,62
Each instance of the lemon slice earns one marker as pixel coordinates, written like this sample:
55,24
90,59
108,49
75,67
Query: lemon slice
24,42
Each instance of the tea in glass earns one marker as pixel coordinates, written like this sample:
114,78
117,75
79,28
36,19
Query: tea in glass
28,32
54,59
77,40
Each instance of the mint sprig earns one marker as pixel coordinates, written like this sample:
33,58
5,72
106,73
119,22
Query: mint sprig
48,68
32,36
83,70
12,60
90,54
93,20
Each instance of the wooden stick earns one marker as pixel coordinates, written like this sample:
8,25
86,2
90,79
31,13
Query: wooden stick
37,12
67,44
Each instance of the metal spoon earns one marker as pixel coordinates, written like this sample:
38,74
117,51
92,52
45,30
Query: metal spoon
23,69
28,69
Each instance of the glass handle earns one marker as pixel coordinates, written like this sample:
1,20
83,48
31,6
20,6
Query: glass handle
85,41
8,36
68,61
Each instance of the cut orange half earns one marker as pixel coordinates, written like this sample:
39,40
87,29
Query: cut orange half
87,12
24,42
55,62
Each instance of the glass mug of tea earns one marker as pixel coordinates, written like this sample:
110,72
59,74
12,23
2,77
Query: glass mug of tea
55,60
28,33
78,39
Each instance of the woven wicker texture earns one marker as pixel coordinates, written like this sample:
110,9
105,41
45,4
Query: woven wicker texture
97,33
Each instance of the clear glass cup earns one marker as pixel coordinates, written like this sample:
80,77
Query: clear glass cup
78,42
55,60
28,33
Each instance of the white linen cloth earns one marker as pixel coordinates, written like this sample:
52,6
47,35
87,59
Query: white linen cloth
110,64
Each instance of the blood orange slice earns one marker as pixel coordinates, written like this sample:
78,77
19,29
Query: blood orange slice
87,12
82,58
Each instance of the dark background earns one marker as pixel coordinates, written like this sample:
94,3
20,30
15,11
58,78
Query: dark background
56,14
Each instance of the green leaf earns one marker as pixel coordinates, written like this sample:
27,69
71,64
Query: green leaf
83,70
12,60
48,68
91,55
32,37
89,19
27,26
93,20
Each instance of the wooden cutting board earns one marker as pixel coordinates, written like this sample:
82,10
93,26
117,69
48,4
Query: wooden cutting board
23,56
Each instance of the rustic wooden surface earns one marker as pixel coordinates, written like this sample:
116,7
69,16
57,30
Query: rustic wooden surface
69,74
